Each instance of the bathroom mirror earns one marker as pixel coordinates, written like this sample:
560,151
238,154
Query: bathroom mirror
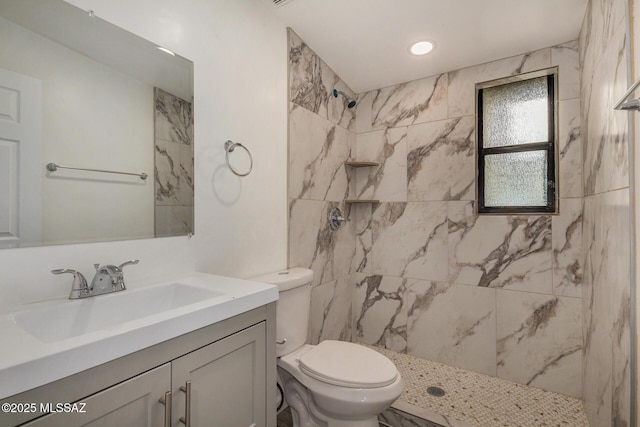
93,99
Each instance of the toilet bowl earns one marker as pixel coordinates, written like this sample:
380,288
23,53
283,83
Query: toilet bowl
334,383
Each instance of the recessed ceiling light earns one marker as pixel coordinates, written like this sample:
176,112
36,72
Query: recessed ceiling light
422,47
165,50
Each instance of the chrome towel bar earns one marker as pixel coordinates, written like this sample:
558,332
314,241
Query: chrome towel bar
52,167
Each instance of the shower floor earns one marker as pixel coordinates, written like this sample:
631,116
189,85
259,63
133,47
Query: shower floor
473,399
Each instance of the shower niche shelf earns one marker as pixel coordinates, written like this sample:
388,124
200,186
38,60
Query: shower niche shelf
361,201
356,164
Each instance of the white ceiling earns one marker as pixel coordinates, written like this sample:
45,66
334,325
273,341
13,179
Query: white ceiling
366,41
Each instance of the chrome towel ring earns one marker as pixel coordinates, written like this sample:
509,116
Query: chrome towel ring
229,146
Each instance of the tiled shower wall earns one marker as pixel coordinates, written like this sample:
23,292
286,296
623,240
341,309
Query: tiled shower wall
606,294
495,294
173,165
321,137
420,272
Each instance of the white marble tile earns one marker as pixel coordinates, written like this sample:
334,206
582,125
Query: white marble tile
167,173
330,317
312,243
605,151
569,149
409,103
509,252
338,110
311,84
410,240
539,341
362,230
597,321
452,324
173,220
387,182
173,118
379,311
441,160
462,82
317,152
566,241
306,87
566,57
363,111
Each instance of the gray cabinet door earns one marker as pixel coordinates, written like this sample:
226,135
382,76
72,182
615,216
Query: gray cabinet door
227,382
134,402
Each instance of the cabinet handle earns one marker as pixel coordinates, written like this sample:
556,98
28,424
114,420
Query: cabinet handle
186,420
166,401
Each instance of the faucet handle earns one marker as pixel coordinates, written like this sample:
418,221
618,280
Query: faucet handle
132,262
79,287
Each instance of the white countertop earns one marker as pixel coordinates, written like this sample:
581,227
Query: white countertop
27,362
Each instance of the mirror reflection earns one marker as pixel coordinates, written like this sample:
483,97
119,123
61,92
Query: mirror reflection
93,99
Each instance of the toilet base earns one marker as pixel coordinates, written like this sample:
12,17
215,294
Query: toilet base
305,413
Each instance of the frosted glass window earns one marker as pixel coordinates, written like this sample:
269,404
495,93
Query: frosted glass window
516,113
516,179
516,145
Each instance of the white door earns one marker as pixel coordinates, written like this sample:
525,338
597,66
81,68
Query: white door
20,159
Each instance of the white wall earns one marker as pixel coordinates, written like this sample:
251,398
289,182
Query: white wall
239,51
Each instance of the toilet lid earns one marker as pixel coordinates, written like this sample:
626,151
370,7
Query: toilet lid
348,365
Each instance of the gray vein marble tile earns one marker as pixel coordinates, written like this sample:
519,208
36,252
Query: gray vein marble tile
410,240
380,315
567,248
452,324
306,87
441,160
331,311
566,57
570,149
606,157
510,252
173,118
362,230
311,84
462,82
405,104
312,243
539,341
317,152
387,182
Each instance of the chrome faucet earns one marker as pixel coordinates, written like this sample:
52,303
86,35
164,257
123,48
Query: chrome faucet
108,279
79,287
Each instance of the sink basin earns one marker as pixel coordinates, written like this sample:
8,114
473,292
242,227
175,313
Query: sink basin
79,317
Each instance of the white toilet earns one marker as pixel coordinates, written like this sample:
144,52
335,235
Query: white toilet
334,383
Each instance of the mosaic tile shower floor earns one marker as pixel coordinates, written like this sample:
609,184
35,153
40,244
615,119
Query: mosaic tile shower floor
474,399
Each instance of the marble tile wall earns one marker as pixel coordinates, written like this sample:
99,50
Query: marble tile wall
606,231
500,295
321,138
173,165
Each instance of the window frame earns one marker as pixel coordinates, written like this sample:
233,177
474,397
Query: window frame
550,146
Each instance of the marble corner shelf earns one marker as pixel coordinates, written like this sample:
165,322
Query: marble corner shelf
353,201
355,164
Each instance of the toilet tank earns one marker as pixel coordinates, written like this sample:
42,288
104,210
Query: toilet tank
292,308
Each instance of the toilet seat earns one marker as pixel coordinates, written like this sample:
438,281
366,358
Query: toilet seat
347,365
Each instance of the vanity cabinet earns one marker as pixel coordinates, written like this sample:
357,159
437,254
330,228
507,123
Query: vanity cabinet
133,403
224,373
226,382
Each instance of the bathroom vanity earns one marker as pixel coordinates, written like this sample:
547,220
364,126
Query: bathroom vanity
209,362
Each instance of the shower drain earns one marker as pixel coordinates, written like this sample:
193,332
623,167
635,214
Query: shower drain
435,391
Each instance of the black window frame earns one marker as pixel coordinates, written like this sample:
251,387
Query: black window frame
549,146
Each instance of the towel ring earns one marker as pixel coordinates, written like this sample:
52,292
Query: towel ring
229,146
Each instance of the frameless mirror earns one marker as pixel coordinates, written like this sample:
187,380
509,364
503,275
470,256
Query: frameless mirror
87,110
